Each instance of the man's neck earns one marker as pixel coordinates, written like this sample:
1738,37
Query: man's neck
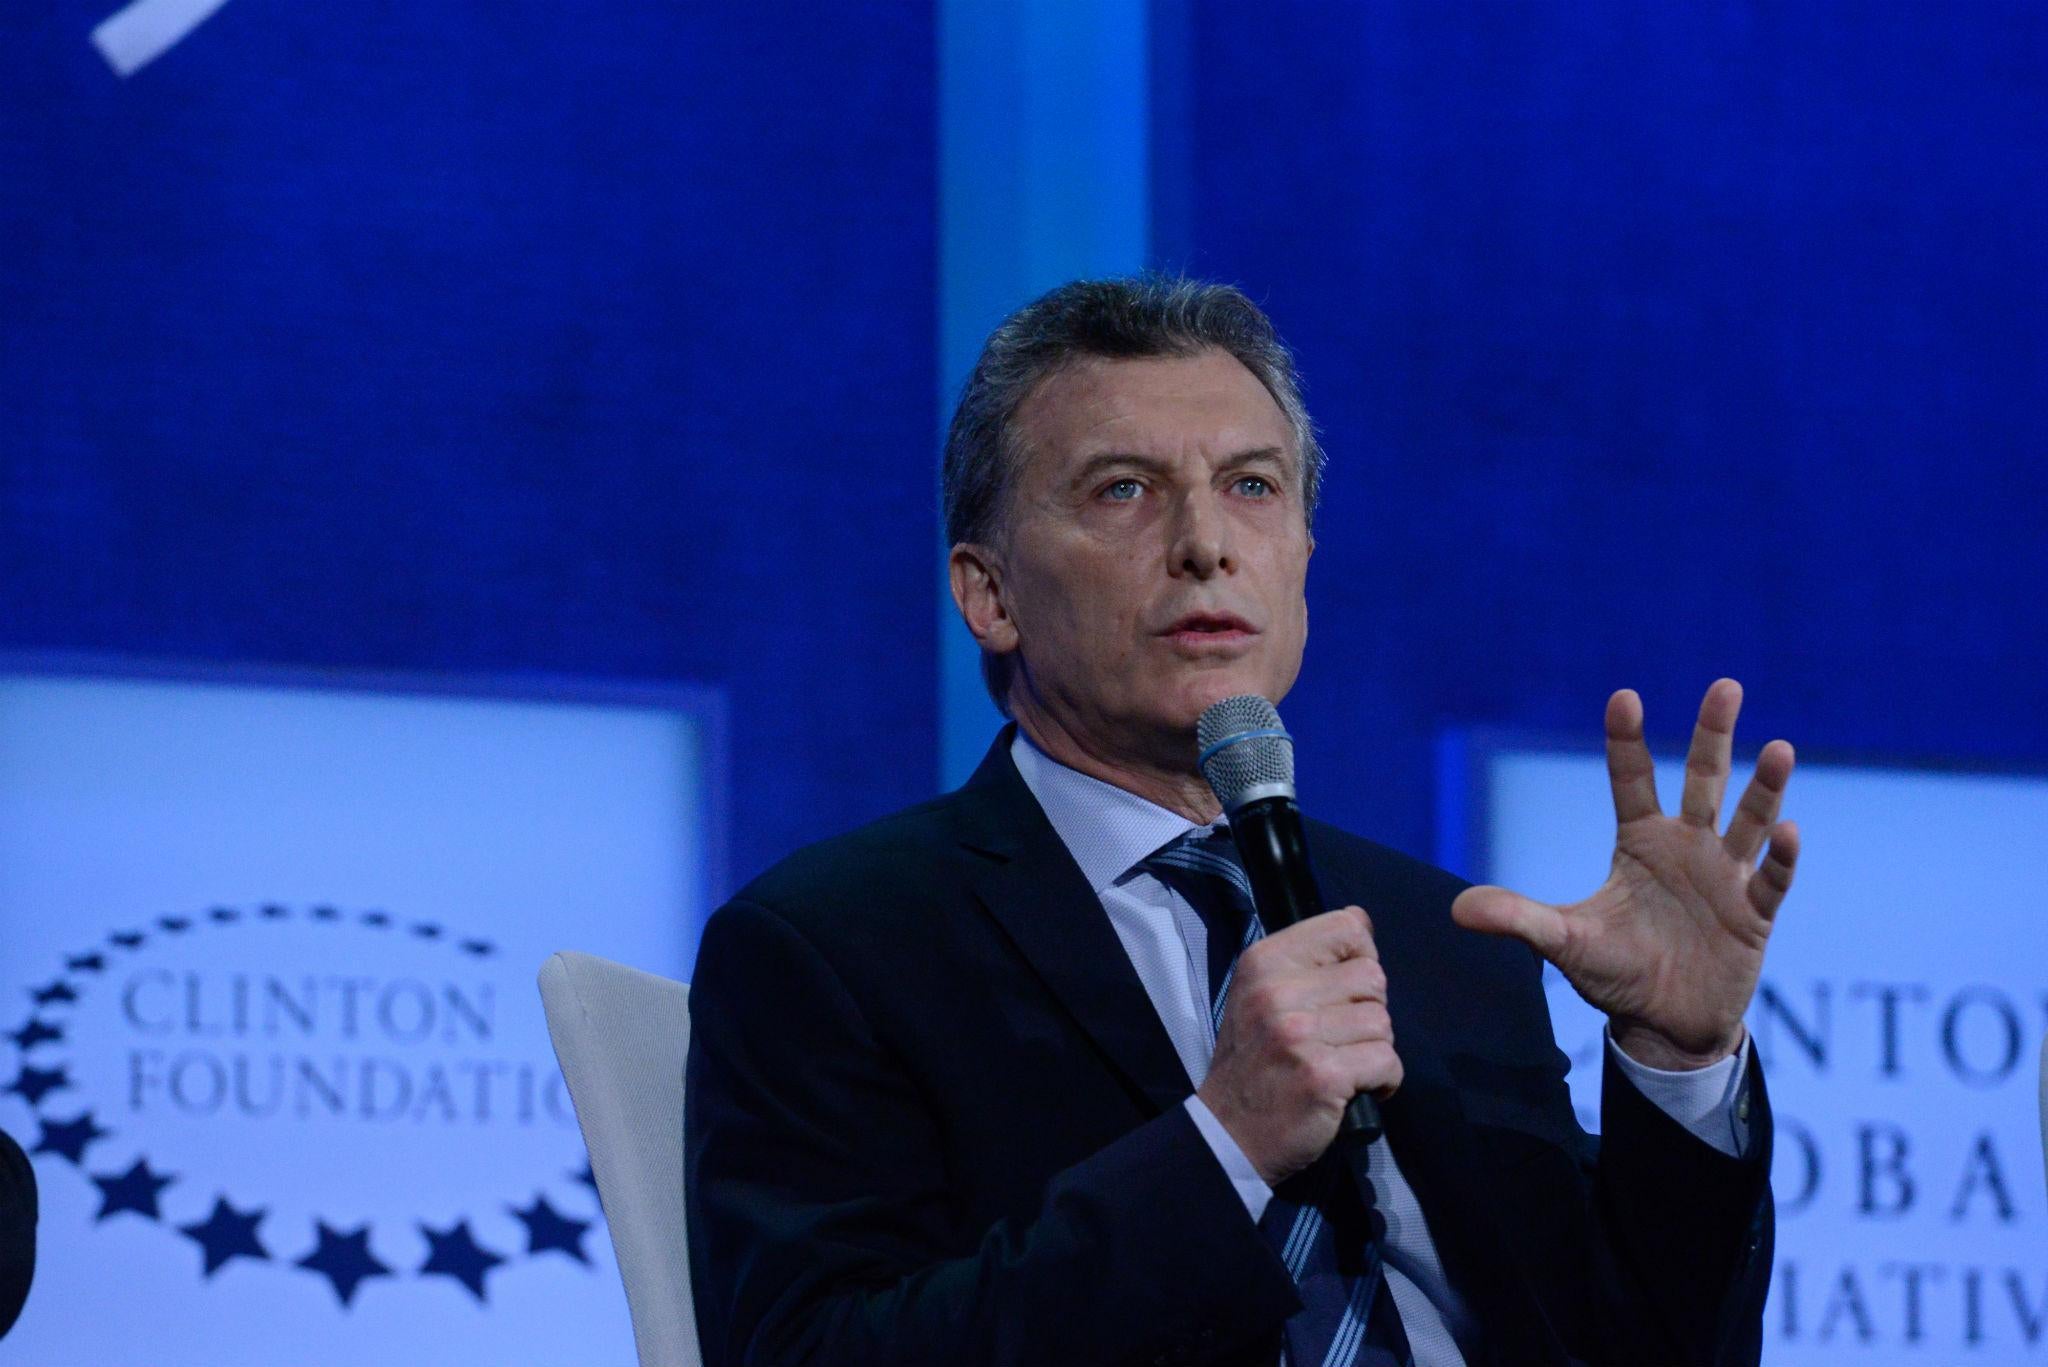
1181,790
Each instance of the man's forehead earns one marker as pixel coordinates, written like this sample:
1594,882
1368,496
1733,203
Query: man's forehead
1152,405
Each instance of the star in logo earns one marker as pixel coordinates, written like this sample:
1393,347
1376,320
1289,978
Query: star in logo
70,1137
273,912
127,939
176,925
36,1032
456,1254
224,914
36,1083
585,1176
86,963
547,1229
227,1234
344,1259
326,914
482,949
135,1189
426,930
379,919
58,991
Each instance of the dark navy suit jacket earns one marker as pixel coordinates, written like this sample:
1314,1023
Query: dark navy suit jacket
932,1117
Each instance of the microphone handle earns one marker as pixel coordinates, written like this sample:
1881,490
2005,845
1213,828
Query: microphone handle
1274,850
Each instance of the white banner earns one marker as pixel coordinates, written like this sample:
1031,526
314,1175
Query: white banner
1899,1021
267,960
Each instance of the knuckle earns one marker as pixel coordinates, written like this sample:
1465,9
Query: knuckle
1294,1028
1260,1000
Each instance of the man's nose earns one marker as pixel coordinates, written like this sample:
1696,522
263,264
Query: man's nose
1200,538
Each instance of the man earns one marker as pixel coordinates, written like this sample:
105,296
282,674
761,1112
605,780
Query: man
987,1082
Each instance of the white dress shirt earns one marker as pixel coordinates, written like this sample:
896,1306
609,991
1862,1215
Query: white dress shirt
1109,832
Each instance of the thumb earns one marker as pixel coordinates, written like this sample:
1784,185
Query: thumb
1496,911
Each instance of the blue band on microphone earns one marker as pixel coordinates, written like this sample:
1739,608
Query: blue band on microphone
1229,741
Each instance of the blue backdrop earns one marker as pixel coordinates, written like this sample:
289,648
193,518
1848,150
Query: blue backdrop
1650,344
589,340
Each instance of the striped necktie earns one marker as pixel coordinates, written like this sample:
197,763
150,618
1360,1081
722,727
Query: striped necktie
1324,1230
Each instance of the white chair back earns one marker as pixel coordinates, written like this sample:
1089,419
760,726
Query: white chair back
621,1036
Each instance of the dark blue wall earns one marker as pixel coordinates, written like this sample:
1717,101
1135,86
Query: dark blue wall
1651,343
583,340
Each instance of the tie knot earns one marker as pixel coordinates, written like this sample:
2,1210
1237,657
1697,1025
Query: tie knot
1201,859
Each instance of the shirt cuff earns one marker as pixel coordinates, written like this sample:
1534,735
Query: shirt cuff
1251,1188
1707,1101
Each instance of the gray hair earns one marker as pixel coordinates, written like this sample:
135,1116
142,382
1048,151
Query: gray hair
1133,317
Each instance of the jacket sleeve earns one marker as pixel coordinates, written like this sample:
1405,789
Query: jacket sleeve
1684,1244
1669,1239
822,1228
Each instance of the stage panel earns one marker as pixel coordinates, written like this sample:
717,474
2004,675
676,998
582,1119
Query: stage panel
1899,1021
267,961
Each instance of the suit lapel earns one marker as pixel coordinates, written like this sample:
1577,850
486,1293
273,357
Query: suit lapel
1037,894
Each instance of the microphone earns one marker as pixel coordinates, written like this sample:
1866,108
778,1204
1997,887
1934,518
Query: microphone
1248,758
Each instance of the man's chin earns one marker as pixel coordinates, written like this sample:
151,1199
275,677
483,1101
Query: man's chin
1206,691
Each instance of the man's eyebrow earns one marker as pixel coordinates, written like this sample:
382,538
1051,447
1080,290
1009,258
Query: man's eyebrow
1261,455
1103,462
1097,465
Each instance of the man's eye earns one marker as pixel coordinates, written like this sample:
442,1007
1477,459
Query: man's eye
1254,486
1123,490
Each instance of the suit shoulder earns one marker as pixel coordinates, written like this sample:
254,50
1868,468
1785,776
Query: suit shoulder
890,861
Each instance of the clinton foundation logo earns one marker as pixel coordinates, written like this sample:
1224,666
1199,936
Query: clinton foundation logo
353,1096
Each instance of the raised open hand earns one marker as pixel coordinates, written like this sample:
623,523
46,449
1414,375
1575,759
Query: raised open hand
1671,945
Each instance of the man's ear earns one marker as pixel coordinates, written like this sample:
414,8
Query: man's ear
978,593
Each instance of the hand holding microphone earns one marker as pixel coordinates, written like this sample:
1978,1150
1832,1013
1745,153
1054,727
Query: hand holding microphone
1306,1042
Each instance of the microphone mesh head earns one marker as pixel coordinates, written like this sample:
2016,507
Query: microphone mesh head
1244,747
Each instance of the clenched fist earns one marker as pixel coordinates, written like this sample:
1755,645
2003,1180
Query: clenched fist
1305,1029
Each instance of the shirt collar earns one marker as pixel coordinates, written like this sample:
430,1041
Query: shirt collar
1106,829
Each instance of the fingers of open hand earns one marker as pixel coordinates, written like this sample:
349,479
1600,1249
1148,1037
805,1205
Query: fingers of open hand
1630,770
1773,878
1761,799
1708,759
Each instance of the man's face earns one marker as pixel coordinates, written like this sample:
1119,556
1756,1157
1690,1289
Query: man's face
1156,549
